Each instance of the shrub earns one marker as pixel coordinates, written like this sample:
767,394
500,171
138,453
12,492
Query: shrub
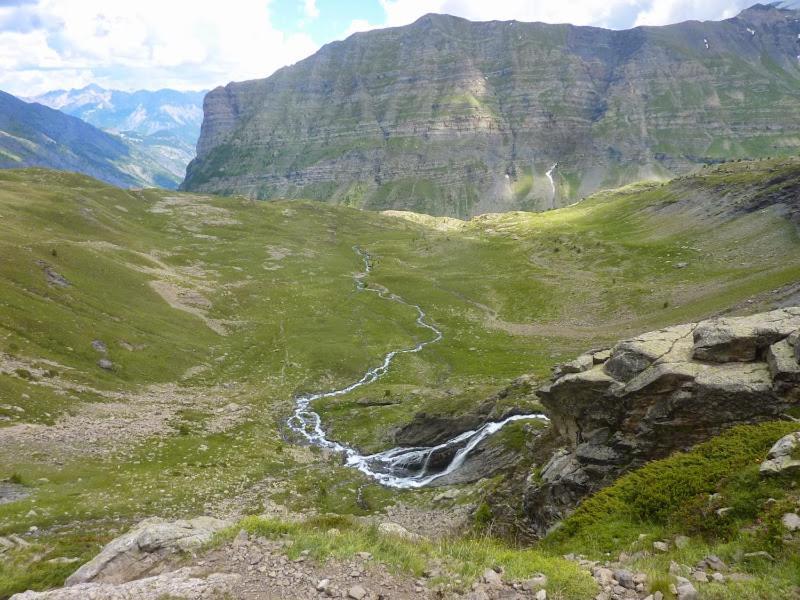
672,490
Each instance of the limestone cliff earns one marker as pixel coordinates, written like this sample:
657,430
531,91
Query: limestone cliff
451,117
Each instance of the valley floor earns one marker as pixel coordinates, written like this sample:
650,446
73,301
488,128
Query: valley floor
152,345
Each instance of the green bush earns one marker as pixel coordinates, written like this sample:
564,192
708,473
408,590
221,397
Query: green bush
675,491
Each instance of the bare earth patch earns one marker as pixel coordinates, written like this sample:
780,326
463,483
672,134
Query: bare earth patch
103,428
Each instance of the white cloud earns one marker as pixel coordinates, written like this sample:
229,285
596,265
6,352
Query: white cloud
145,44
661,13
188,44
310,9
604,13
359,25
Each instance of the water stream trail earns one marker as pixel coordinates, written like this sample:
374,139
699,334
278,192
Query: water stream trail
552,185
398,467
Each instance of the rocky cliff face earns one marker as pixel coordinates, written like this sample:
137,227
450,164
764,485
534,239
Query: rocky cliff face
451,117
663,391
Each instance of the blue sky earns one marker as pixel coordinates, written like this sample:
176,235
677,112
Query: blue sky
191,44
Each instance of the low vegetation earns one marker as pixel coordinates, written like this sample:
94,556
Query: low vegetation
167,334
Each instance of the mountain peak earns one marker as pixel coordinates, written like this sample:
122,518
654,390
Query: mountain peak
768,10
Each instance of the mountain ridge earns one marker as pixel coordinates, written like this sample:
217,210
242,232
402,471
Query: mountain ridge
34,135
452,117
163,124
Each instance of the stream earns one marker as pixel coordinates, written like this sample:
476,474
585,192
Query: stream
549,175
398,467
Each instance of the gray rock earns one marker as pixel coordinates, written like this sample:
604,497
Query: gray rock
183,583
389,528
791,521
357,592
144,548
653,396
492,577
535,583
794,340
781,457
685,590
583,363
700,576
106,364
712,563
681,541
660,546
741,339
625,578
54,278
100,346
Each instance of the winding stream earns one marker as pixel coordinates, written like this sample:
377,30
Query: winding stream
398,467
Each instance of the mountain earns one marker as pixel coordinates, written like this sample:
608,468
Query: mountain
163,124
452,117
35,135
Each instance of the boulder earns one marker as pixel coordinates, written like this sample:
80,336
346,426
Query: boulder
685,590
660,392
783,457
183,583
389,528
583,363
742,339
791,521
357,592
144,549
783,365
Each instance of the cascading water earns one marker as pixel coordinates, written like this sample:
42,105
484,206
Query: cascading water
398,467
552,184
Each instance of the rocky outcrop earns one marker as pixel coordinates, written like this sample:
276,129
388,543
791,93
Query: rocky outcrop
145,548
450,117
659,392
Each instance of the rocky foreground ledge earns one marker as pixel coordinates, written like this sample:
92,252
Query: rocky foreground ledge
618,408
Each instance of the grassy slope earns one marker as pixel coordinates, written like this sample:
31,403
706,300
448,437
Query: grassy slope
281,274
674,497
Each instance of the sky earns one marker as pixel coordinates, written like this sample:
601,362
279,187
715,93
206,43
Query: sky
200,44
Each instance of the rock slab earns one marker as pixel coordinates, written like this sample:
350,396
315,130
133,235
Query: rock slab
143,550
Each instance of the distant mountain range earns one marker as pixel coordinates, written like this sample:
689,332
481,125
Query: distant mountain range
163,125
451,117
33,135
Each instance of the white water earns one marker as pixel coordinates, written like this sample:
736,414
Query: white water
398,467
552,183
